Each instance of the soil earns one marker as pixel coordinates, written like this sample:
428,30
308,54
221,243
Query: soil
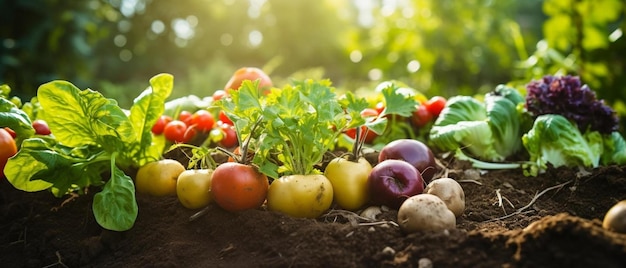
552,220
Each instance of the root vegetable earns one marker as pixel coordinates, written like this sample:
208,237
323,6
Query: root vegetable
450,192
425,212
615,218
159,178
193,188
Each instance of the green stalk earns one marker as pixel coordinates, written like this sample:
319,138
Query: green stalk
485,165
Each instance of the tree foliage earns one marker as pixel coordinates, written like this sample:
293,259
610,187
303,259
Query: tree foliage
436,46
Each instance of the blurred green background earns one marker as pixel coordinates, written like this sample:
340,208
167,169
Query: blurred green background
439,47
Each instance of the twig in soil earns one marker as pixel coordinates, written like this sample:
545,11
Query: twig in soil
73,196
500,203
472,181
355,219
59,262
499,195
520,210
199,214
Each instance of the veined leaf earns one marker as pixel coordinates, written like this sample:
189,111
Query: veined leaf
84,117
144,113
115,207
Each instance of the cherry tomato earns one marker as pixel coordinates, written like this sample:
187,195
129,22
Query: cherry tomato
175,131
41,127
185,116
435,104
159,126
237,152
7,149
369,112
237,187
224,118
13,134
190,133
380,107
230,136
219,94
248,73
202,120
371,135
421,116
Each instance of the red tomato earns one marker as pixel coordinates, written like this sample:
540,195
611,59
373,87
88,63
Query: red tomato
380,107
185,116
435,104
41,127
371,135
237,187
190,133
237,152
224,118
369,112
230,136
421,116
175,131
13,134
219,94
202,120
159,126
248,73
7,149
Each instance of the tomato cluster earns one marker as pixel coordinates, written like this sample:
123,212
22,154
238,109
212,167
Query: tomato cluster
428,111
187,126
368,114
424,114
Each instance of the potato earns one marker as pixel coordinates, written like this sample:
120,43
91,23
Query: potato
193,188
158,178
425,212
615,218
450,191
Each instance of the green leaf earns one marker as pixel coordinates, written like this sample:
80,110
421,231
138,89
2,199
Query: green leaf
353,106
243,108
504,121
17,120
21,169
461,108
144,113
84,117
115,207
398,103
42,163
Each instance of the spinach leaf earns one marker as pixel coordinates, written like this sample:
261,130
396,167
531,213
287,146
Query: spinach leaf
115,207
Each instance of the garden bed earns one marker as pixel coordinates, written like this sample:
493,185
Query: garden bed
553,220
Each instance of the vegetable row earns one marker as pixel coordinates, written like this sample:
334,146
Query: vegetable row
280,144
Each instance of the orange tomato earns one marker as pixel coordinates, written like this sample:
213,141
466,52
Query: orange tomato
248,73
7,149
238,187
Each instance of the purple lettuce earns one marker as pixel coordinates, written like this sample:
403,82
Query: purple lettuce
565,95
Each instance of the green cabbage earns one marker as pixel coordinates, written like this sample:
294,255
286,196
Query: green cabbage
488,130
555,140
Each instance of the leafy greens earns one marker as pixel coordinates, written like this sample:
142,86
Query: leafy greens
93,136
489,130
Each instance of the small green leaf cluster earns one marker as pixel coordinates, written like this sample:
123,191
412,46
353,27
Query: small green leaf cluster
299,123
